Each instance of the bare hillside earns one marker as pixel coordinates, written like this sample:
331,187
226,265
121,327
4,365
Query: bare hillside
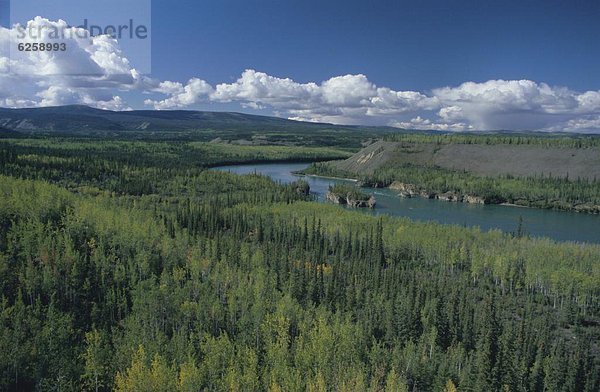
481,159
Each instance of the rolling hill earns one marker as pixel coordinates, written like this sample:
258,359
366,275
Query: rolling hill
83,121
479,159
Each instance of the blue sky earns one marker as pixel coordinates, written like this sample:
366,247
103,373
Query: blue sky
428,64
417,45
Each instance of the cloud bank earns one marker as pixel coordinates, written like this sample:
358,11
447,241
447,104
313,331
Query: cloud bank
97,73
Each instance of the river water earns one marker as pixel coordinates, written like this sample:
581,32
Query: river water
558,225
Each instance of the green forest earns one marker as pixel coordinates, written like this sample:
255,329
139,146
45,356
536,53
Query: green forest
131,266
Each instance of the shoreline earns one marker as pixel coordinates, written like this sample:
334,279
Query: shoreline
521,206
329,177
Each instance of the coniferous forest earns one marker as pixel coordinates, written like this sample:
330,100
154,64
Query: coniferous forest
130,266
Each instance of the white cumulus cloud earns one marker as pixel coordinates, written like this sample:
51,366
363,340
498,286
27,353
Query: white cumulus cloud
91,71
180,96
95,72
426,124
514,104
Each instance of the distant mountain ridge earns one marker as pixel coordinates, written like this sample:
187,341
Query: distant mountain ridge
85,121
77,118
